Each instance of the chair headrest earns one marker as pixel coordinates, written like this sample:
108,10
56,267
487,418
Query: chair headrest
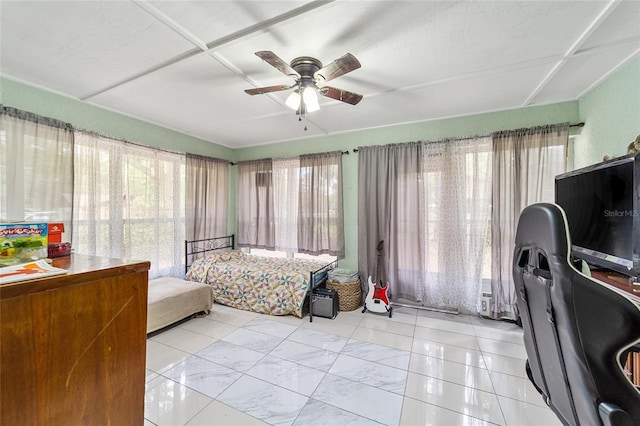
544,225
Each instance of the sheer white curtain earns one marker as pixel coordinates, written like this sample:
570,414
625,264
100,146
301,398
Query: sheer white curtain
320,210
255,205
457,207
129,203
36,168
286,196
525,163
207,197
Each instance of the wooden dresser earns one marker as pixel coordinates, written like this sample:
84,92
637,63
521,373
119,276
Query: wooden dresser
73,346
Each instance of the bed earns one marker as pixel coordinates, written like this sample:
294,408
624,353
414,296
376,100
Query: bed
267,285
172,299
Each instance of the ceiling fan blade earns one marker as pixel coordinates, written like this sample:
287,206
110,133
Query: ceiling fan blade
340,66
268,89
275,61
341,95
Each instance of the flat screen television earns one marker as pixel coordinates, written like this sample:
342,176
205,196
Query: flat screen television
602,204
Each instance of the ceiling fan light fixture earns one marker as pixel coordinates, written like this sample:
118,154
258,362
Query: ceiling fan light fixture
293,101
311,107
310,95
310,98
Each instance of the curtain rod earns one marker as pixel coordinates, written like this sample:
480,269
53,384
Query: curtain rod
581,124
35,118
342,152
155,148
120,139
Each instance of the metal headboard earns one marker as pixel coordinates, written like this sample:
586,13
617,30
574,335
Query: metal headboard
198,248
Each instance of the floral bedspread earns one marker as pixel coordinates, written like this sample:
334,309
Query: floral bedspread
273,286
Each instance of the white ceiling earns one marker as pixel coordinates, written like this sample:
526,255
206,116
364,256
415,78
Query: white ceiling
185,64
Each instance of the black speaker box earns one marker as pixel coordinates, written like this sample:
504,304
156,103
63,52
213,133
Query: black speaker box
325,303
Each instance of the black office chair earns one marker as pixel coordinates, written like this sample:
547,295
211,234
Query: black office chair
577,330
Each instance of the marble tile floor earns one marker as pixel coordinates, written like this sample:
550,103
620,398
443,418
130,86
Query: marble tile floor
417,368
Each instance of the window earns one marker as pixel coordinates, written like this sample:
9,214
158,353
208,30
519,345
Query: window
129,203
457,247
525,163
455,193
36,185
292,205
120,199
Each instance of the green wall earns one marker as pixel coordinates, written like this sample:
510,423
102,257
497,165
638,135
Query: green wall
611,112
480,124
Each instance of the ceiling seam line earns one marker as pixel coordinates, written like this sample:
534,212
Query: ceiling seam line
268,23
228,65
216,43
476,74
608,74
173,25
602,16
510,67
179,58
605,47
513,67
259,27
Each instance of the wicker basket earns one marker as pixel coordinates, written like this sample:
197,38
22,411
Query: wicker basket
349,294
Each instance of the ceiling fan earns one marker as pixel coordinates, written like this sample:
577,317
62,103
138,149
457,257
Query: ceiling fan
307,72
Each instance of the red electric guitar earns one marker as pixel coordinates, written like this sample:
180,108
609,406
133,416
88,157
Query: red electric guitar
377,300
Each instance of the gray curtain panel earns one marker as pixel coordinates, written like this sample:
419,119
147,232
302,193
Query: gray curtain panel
390,209
206,197
255,205
320,210
525,163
